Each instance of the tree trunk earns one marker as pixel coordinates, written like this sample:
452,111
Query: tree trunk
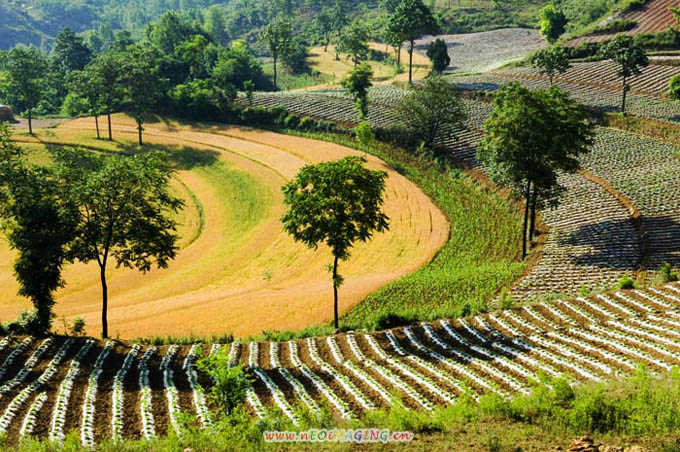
327,40
108,113
275,73
105,302
96,123
623,104
532,225
526,220
139,129
410,64
30,123
335,292
551,79
399,55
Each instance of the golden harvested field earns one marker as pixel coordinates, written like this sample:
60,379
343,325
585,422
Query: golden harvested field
383,73
237,270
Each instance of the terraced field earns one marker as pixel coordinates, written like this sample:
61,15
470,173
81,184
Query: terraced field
579,252
606,99
654,17
52,386
236,262
603,74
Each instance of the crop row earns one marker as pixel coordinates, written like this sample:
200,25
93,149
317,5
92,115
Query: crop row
503,352
604,74
604,99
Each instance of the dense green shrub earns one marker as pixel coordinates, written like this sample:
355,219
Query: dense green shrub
616,26
626,283
666,273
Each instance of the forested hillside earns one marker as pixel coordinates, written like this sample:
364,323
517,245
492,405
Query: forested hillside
38,22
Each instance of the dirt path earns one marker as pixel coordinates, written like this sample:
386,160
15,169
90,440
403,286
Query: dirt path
243,274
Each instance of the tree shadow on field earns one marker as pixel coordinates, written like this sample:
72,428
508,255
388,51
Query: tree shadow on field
181,157
614,243
617,244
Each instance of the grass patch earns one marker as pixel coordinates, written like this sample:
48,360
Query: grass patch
480,257
286,80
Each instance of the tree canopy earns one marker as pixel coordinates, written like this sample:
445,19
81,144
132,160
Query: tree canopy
277,36
631,58
27,68
552,23
410,20
357,83
531,137
124,211
428,110
438,53
550,61
335,203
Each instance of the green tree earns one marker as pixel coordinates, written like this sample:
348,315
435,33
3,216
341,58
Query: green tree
171,30
338,22
323,24
411,20
236,66
216,24
124,211
337,203
354,42
27,68
631,58
357,83
38,223
550,61
394,40
82,84
428,110
106,77
552,22
438,53
277,36
531,137
70,52
674,87
191,52
142,82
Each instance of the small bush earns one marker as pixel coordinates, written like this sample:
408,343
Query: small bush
291,122
666,273
505,300
626,283
364,134
26,323
389,320
230,383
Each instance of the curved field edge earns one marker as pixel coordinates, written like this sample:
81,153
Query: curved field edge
481,257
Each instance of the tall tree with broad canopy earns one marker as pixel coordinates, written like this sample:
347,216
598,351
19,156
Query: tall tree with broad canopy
438,53
531,136
142,82
631,58
27,68
431,108
124,211
550,61
70,52
411,20
277,36
357,83
323,24
83,85
106,77
39,224
336,203
354,42
552,22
